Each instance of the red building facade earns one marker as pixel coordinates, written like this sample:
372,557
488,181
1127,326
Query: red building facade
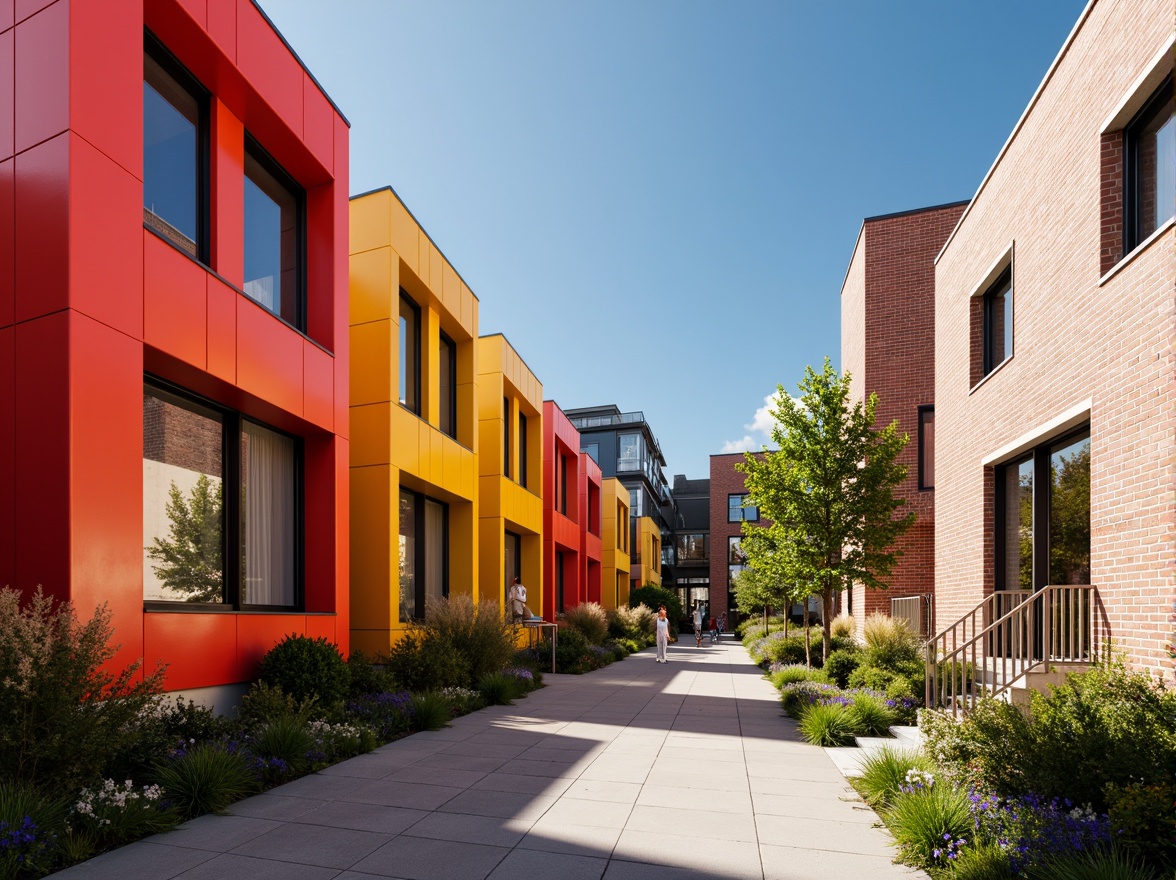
563,568
590,527
173,329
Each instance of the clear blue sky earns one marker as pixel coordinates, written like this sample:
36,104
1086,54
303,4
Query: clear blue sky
656,201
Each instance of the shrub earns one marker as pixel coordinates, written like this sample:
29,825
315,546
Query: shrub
480,634
205,779
304,668
160,727
827,724
571,651
870,714
619,649
1035,829
790,673
798,696
368,675
263,703
634,622
651,597
289,741
62,714
889,642
528,679
884,772
843,626
28,820
1098,865
432,710
930,823
839,664
1143,820
498,689
389,714
778,648
982,751
337,742
425,661
590,619
982,861
753,625
113,814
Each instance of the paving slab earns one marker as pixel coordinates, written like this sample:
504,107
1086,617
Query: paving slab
678,771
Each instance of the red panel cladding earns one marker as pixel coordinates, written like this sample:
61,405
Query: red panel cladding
174,302
222,26
106,477
7,459
342,537
25,8
42,455
41,211
320,265
321,507
318,123
196,9
222,330
269,357
340,288
200,650
106,79
228,194
42,75
269,66
7,242
318,386
7,91
257,633
105,223
323,626
7,14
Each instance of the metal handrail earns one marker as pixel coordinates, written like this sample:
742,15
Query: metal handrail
1055,625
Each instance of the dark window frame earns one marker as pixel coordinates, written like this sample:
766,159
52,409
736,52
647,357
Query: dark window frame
562,476
1002,286
925,410
506,434
260,155
231,427
522,443
442,409
742,510
173,67
415,365
1159,99
420,548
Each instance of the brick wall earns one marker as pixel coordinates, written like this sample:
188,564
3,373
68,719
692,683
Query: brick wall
1076,340
724,481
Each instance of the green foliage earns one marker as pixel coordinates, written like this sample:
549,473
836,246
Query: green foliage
827,724
889,643
652,596
288,739
571,651
432,710
778,649
984,861
795,672
828,491
1143,820
590,619
62,714
757,586
634,623
499,689
28,820
479,634
206,779
263,703
984,750
425,661
844,625
1097,865
753,627
159,728
304,668
369,675
840,664
884,772
112,815
870,715
930,820
190,561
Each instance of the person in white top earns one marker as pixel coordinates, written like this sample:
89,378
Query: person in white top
697,626
518,601
663,634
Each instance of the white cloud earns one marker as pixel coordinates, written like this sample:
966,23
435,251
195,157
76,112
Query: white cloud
747,444
759,428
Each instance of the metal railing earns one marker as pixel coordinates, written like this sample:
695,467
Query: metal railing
1010,633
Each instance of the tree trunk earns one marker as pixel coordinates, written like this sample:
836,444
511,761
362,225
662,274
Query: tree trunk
808,636
827,616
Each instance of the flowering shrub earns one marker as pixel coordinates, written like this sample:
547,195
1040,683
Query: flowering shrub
931,821
116,814
335,742
1031,829
390,715
25,848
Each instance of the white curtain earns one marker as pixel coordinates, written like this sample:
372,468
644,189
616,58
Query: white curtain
267,513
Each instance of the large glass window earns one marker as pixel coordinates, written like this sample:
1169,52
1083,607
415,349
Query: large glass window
506,469
410,354
740,510
563,483
1151,166
273,237
424,553
635,506
926,447
998,322
736,558
1043,516
512,561
174,152
629,452
448,386
522,450
692,547
559,581
217,528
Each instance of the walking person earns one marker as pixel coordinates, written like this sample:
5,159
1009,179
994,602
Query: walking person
697,618
663,634
722,623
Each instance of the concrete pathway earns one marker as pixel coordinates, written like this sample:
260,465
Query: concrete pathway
674,771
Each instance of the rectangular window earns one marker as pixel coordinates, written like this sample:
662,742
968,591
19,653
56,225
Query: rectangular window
622,527
738,510
998,322
562,490
273,237
522,450
629,447
512,562
424,553
1151,166
926,447
506,472
735,554
635,504
175,152
559,581
447,365
593,524
692,547
221,506
410,354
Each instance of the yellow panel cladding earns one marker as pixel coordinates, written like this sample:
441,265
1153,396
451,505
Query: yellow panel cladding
647,530
375,532
406,236
374,281
371,221
370,435
375,350
614,538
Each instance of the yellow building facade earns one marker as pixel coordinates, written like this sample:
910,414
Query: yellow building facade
510,473
646,565
614,543
414,423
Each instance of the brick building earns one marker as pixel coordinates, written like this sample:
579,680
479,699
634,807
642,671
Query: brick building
888,348
727,514
1054,320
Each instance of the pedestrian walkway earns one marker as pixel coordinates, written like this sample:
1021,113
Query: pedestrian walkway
675,771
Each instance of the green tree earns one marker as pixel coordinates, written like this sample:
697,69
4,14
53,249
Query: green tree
828,489
766,552
191,558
